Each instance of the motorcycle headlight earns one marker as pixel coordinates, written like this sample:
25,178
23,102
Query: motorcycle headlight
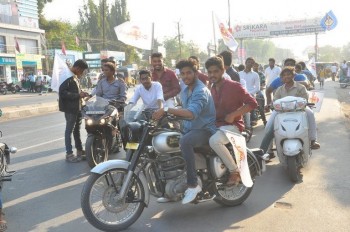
132,132
89,122
102,121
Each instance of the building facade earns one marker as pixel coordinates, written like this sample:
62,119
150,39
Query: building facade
20,40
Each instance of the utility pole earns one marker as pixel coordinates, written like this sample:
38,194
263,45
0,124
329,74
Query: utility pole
212,18
229,16
179,37
316,47
103,25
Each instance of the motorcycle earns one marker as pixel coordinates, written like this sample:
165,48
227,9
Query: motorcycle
291,134
344,82
11,87
5,152
101,123
117,191
3,89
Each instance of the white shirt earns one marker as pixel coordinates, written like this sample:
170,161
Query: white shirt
149,97
334,68
242,81
271,74
252,81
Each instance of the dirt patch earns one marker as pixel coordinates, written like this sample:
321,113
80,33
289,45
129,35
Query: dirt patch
344,100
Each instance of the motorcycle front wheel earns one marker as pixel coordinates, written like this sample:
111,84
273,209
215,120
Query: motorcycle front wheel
96,150
103,207
293,168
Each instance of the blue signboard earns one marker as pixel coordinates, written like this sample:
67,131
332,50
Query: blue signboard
7,61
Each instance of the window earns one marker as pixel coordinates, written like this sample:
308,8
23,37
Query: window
2,44
29,46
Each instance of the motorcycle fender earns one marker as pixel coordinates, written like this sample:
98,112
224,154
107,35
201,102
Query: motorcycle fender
292,147
122,164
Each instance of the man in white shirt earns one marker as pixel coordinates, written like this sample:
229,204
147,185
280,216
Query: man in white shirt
252,81
271,72
150,92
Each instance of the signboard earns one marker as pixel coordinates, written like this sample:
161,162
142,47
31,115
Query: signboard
275,29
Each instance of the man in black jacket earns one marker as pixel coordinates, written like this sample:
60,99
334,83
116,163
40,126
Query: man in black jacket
70,102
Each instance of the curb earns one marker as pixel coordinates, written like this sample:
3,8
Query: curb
15,112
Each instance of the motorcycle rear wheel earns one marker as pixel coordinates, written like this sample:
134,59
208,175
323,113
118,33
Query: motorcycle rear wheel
293,169
96,150
100,203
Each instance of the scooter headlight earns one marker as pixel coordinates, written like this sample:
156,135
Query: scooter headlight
89,122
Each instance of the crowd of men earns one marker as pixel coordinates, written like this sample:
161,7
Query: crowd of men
224,98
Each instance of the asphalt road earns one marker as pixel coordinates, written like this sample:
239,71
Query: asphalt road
45,192
24,99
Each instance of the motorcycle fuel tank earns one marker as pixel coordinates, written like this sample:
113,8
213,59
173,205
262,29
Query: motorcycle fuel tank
167,142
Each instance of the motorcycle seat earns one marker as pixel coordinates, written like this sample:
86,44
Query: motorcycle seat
206,149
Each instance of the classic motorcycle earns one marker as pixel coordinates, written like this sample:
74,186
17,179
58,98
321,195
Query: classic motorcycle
117,191
101,123
292,135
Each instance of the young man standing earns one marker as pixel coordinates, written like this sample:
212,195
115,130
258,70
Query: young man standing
252,80
70,102
198,107
231,102
272,72
166,77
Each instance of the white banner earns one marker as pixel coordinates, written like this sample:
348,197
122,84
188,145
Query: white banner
60,73
135,34
317,98
311,66
227,36
280,28
240,149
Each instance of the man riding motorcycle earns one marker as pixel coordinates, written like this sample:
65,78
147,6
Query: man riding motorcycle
231,102
290,88
198,106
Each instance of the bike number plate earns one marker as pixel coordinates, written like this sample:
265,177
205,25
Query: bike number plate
132,146
95,112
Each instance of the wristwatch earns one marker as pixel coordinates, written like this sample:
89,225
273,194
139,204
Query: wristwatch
166,109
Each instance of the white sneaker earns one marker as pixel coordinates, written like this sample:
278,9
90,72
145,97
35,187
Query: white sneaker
191,194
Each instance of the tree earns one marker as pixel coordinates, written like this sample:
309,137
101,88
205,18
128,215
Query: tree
329,54
96,19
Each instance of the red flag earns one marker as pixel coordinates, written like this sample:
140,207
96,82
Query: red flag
17,46
77,40
63,48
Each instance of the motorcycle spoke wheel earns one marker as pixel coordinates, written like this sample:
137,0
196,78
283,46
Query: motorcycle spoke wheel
231,195
103,207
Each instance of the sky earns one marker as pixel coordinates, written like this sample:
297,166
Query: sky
195,18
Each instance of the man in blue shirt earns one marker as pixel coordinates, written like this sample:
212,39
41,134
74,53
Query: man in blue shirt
300,78
198,107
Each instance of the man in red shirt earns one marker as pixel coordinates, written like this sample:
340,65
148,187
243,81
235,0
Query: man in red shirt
167,79
231,102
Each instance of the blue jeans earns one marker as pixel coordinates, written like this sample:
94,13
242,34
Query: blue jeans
194,138
73,122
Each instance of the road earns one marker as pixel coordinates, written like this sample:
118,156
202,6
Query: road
24,99
45,192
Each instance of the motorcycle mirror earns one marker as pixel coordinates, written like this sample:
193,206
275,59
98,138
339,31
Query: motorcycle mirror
13,150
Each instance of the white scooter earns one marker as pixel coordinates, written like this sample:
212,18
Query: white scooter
292,135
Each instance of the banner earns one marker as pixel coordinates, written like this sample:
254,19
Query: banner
316,97
226,35
311,66
88,46
60,73
135,34
329,21
240,149
17,45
